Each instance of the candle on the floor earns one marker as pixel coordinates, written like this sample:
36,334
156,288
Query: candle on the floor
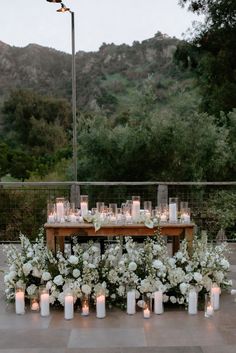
20,301
158,302
69,306
131,302
44,302
215,296
101,306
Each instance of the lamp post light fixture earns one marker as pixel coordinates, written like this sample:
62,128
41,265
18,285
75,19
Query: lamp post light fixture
74,143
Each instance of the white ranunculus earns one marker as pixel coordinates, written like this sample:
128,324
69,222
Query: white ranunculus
173,300
183,287
197,276
132,266
86,289
31,289
85,256
157,264
73,260
27,268
76,273
58,280
46,276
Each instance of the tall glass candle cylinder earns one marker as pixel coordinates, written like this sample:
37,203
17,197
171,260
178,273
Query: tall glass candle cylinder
69,305
84,205
173,209
158,302
147,307
209,311
44,301
60,211
192,301
215,296
131,302
20,300
135,208
101,305
85,305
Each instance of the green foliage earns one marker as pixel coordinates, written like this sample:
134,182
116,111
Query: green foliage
212,53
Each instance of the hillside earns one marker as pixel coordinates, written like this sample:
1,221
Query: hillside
109,79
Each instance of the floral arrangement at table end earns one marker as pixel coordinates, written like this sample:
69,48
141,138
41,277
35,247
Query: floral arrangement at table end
146,267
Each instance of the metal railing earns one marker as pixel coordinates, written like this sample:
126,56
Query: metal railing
23,204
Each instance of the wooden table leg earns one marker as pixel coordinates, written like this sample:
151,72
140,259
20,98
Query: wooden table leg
61,243
50,239
189,239
176,243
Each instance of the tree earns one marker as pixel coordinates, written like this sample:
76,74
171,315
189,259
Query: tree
212,53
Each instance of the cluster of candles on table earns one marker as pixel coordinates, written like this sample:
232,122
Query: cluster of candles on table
129,212
42,303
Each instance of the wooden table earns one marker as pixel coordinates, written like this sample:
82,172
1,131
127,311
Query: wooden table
56,232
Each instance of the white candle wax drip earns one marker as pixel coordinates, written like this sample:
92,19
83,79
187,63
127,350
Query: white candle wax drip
215,298
100,307
69,307
131,302
20,302
44,304
158,303
172,212
192,302
84,208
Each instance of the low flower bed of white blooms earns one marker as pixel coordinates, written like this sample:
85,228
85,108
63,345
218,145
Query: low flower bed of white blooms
147,267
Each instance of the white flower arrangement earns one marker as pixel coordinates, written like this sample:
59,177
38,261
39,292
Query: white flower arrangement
146,267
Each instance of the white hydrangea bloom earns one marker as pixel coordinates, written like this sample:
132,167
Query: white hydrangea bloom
27,268
132,266
86,289
197,276
76,273
58,280
73,260
31,289
46,276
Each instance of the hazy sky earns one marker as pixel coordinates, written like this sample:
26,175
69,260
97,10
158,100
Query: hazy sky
96,21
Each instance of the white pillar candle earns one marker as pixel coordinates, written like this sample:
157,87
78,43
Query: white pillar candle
69,307
172,212
131,302
44,304
20,302
100,307
158,303
215,297
135,210
192,302
84,208
233,291
146,313
60,211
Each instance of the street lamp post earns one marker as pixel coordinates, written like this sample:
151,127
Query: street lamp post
74,141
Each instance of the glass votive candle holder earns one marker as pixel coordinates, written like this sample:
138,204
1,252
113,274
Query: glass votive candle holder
51,214
173,209
20,299
147,306
163,212
209,310
185,215
34,303
44,301
100,206
85,305
60,209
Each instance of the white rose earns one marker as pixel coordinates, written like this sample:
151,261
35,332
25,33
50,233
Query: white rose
27,267
86,289
183,287
157,264
132,266
73,260
173,299
46,276
197,276
76,273
31,289
58,280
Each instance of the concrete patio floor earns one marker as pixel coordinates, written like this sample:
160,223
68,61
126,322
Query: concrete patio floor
173,332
